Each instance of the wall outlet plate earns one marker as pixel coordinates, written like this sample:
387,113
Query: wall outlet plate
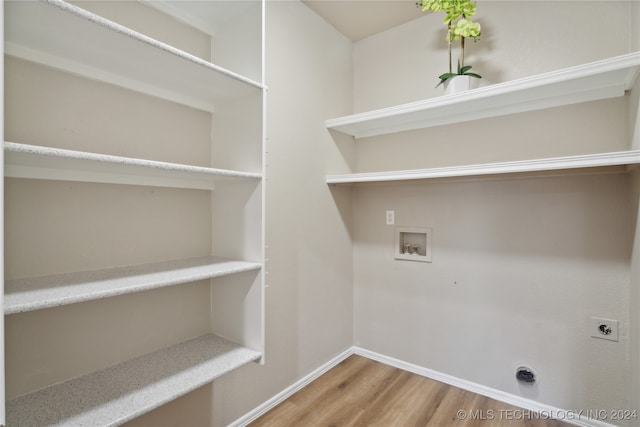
391,217
606,329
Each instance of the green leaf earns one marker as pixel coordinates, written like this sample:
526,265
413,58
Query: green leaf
446,76
464,69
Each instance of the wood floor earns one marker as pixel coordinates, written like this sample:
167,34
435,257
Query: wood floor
362,392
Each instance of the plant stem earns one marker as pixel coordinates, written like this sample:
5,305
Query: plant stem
461,62
449,43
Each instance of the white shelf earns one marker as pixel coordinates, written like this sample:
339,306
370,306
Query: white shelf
622,158
66,37
118,394
56,290
590,82
37,162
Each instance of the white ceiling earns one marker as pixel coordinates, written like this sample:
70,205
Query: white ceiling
358,19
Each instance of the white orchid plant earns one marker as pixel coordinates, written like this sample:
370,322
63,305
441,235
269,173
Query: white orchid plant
459,27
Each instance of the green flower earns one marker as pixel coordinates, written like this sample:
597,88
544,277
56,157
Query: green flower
465,28
459,27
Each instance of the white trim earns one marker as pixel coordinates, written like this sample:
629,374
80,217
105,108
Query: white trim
289,391
527,404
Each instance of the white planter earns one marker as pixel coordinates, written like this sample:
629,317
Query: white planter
458,84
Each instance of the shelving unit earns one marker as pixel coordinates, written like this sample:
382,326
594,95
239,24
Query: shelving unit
60,36
570,163
120,393
590,82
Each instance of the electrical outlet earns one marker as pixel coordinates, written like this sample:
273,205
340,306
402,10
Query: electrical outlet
391,217
606,329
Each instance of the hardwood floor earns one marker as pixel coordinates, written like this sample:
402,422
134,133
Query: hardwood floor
362,392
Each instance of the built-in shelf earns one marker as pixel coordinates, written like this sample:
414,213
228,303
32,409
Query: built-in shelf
56,290
590,82
37,162
120,393
66,37
588,161
62,36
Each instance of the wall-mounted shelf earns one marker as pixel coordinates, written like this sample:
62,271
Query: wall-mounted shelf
37,162
590,82
120,393
622,158
51,291
66,37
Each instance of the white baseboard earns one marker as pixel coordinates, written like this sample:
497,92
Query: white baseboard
570,417
289,391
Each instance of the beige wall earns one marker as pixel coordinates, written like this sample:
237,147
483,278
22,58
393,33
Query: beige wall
519,265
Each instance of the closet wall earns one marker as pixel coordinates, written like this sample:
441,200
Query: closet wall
519,263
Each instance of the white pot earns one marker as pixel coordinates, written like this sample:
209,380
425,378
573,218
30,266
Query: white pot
458,84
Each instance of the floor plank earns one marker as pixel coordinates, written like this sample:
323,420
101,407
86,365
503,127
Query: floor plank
361,392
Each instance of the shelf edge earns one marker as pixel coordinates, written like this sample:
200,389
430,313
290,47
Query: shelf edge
628,65
536,165
115,27
83,286
32,161
86,71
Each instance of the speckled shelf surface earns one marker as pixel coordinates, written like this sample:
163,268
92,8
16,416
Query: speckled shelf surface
118,394
51,291
47,32
38,162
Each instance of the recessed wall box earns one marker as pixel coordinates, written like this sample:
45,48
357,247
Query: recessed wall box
413,244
